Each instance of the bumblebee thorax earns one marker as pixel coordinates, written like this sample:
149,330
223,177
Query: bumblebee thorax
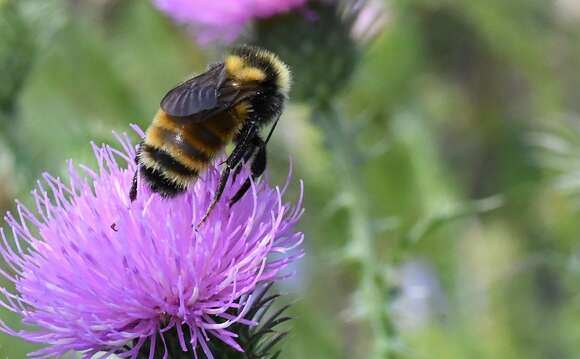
242,72
248,64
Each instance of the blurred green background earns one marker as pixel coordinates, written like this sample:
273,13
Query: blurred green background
441,161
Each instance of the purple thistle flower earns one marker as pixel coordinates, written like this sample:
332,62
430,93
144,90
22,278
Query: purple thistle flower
222,19
96,273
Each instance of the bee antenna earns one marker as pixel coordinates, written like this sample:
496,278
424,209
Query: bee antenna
272,130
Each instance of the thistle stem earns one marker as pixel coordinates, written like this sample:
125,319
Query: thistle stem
347,158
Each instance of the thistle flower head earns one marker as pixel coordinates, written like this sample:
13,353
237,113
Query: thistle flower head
223,19
94,272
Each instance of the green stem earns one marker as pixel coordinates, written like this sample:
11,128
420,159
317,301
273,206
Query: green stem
347,158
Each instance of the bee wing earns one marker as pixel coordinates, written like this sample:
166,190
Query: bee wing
196,95
229,95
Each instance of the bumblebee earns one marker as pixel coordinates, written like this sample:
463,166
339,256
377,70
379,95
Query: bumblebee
230,102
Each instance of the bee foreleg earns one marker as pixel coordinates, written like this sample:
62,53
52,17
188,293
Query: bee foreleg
257,142
258,167
247,157
258,164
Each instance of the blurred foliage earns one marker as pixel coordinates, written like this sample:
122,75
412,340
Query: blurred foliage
466,115
17,53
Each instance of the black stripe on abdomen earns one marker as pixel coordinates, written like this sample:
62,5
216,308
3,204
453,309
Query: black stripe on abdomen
181,144
211,141
224,124
166,161
159,184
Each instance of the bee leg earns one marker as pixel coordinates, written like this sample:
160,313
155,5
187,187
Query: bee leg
239,152
133,191
258,164
258,167
220,189
251,151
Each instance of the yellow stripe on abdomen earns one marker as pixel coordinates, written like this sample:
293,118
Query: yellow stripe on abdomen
174,143
193,132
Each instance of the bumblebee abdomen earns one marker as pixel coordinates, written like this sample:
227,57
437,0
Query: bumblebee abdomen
209,136
176,150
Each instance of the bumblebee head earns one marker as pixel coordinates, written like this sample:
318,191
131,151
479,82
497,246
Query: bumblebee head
252,64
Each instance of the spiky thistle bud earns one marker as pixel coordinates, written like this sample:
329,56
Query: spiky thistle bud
317,44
